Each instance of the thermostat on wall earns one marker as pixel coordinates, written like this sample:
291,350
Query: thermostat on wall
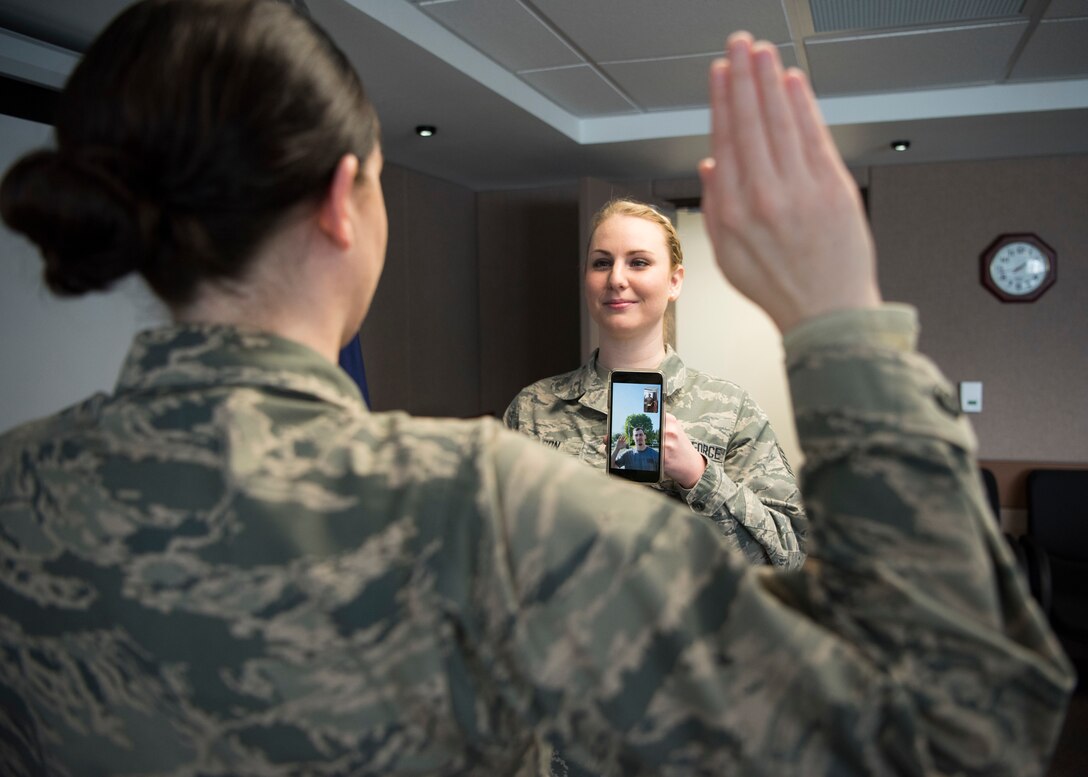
971,396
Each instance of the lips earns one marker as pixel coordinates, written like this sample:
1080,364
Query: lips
618,304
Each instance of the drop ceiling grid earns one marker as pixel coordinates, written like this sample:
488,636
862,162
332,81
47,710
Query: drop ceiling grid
672,84
619,30
655,53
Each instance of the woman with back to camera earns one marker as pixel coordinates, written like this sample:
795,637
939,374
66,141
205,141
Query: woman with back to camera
230,566
722,458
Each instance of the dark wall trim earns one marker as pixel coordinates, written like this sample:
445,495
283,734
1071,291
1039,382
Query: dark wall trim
28,101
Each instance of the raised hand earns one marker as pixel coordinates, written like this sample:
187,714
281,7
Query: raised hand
621,443
782,212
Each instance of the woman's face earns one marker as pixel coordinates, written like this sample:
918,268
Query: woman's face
629,280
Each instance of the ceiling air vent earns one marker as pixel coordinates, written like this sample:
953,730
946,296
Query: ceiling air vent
851,15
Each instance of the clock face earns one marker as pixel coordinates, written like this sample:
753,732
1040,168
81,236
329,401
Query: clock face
1019,268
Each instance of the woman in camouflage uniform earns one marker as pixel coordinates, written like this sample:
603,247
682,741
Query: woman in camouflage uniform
228,566
721,456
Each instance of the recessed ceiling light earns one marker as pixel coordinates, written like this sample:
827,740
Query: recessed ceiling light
426,130
900,145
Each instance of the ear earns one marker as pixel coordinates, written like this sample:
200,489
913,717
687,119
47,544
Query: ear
676,282
334,216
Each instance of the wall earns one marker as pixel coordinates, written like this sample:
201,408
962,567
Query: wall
479,296
420,338
931,223
529,289
54,351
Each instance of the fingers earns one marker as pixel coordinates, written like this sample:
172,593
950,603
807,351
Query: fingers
682,462
813,135
720,170
745,120
780,123
674,431
757,111
779,206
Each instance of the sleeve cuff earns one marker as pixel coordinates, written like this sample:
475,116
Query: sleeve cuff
854,376
706,497
891,326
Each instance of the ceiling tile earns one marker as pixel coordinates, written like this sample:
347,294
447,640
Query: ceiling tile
617,30
1066,9
579,90
504,31
666,84
952,56
1057,49
659,84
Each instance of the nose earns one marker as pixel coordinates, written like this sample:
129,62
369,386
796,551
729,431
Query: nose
617,278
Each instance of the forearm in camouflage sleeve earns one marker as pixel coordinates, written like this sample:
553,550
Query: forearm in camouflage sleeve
754,498
907,564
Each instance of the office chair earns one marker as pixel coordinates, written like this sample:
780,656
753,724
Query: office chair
989,486
1057,550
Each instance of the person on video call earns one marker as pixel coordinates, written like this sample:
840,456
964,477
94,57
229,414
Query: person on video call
640,457
649,402
720,455
230,566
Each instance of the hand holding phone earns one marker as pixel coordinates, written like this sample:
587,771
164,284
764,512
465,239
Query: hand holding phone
636,420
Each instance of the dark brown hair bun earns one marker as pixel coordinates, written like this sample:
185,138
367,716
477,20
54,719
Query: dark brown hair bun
84,221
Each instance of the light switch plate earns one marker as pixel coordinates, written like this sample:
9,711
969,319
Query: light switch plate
971,396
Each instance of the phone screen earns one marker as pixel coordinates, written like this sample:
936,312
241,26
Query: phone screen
636,420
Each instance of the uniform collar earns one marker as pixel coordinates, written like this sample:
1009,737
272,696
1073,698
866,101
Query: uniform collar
589,388
215,356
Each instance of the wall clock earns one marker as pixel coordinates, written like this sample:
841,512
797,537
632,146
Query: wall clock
1019,267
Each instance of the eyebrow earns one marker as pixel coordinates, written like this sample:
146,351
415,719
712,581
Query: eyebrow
602,251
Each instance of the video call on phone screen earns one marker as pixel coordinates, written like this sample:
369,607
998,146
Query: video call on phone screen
636,413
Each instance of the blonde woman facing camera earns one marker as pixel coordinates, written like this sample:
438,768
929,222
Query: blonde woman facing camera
720,454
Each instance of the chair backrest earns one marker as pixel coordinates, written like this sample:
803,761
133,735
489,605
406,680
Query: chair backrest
1058,511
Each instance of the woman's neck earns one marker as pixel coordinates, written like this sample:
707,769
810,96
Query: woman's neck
311,331
643,353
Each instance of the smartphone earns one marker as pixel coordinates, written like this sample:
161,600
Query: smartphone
636,424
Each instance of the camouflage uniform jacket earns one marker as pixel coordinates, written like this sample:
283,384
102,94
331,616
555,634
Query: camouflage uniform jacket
230,567
747,489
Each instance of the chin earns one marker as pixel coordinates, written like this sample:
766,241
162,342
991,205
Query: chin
629,330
